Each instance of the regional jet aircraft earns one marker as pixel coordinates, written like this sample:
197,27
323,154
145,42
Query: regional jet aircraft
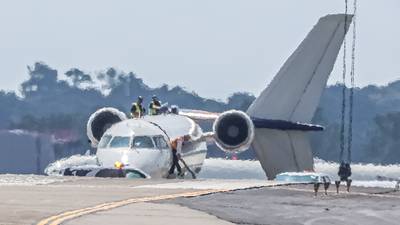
275,125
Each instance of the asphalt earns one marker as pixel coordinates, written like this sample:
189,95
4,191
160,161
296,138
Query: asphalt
47,200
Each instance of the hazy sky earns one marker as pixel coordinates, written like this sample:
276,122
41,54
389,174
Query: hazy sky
213,47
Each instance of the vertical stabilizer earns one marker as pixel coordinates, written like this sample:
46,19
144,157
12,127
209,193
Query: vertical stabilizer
294,94
295,91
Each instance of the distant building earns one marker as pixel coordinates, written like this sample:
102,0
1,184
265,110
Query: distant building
25,152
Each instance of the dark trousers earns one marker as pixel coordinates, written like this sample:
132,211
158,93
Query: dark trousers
175,163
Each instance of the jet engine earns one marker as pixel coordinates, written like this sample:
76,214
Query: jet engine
100,121
233,131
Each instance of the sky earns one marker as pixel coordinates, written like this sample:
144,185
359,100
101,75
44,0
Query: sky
212,47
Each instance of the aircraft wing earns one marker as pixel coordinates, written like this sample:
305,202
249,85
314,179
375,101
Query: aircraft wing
293,96
199,114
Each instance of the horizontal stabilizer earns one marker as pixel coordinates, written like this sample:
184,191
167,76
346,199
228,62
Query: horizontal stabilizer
285,125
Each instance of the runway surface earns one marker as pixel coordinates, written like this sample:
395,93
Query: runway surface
61,200
296,204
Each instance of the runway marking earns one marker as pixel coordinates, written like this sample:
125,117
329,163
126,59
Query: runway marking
69,215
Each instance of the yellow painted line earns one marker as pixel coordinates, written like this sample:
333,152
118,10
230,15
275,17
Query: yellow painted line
63,217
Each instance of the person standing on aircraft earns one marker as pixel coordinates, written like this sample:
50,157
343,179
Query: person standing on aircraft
154,106
137,110
176,146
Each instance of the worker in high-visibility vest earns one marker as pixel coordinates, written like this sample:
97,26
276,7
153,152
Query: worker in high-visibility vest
137,110
154,106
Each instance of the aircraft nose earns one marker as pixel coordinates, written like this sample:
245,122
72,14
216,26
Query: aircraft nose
151,161
138,158
125,159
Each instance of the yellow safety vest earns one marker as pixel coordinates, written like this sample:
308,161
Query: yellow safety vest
153,109
138,109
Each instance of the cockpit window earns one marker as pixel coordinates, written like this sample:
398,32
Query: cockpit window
120,142
160,142
142,142
104,141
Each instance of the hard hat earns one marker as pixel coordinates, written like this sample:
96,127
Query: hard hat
140,98
174,109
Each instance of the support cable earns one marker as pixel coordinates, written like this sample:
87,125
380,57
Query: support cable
345,168
343,112
352,75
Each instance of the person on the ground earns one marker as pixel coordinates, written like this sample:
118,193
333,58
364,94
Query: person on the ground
137,110
154,106
176,147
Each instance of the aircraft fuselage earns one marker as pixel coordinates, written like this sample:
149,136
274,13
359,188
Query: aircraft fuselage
144,144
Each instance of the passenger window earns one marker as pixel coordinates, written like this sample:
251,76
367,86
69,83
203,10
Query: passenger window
120,142
160,142
142,142
104,141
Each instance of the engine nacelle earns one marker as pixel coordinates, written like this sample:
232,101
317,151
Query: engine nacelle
100,121
233,131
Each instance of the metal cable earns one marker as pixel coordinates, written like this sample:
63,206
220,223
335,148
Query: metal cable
343,112
352,74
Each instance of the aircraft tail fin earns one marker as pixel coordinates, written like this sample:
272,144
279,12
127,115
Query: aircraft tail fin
295,91
293,96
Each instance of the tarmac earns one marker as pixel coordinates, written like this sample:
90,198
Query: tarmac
59,200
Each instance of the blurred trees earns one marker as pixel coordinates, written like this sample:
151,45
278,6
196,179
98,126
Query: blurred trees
48,103
384,139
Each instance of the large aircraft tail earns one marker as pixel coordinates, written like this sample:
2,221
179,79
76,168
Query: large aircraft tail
293,97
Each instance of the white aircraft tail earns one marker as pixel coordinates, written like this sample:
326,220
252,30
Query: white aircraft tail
293,97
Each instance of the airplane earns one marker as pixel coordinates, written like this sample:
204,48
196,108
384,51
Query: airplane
276,125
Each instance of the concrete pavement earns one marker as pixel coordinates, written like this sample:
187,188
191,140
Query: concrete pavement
69,200
47,200
149,213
